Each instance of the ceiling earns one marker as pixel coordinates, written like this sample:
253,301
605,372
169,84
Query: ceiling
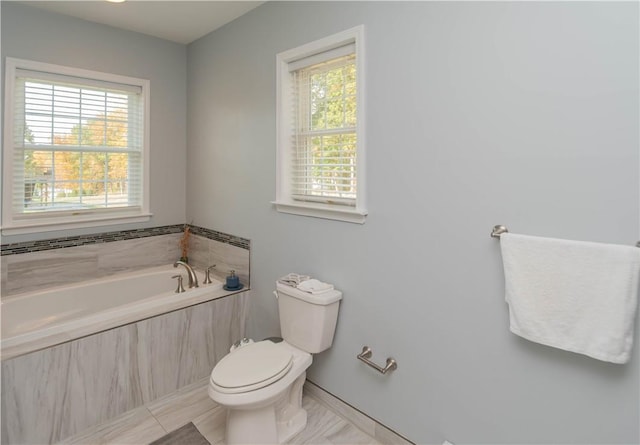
179,21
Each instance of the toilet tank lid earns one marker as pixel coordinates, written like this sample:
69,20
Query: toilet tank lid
323,299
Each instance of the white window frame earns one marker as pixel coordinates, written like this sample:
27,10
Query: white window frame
80,219
284,201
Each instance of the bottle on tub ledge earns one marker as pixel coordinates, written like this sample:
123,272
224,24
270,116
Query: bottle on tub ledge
233,282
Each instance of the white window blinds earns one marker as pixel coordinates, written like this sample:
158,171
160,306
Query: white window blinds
324,164
320,149
78,145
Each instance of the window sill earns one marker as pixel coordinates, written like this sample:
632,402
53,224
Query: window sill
324,211
35,226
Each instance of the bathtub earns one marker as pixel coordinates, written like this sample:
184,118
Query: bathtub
36,320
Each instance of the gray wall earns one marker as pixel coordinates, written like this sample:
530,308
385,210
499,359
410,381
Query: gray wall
515,113
29,33
524,114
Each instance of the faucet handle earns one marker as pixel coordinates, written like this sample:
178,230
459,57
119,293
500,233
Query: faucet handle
207,278
180,288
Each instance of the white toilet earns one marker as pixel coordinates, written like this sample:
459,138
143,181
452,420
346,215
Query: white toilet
260,383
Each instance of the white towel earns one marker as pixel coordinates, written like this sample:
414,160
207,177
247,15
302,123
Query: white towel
293,279
314,286
573,295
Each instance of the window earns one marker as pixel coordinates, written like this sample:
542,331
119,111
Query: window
76,148
320,147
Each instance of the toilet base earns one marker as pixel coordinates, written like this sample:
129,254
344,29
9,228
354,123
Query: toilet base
263,426
288,429
272,424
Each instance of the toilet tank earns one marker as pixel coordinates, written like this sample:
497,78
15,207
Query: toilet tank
308,321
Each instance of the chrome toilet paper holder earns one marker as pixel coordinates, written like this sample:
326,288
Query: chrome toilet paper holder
366,354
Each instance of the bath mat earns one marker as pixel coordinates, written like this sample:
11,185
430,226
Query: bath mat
185,435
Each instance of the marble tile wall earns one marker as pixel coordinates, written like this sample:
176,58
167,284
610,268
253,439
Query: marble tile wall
51,394
85,240
42,269
37,265
205,252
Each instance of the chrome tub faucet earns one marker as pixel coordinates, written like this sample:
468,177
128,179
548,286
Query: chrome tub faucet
193,278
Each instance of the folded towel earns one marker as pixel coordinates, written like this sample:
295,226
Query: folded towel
573,295
314,286
293,279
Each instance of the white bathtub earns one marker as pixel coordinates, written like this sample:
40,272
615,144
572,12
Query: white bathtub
40,319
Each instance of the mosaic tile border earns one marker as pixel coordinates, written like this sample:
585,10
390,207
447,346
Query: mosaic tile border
222,237
107,237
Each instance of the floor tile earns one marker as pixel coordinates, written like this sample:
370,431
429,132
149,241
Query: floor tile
211,425
347,434
340,408
192,404
319,421
137,426
181,407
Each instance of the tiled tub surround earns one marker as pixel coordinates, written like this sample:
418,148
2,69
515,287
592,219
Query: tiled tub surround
59,391
205,252
44,269
44,318
41,264
125,361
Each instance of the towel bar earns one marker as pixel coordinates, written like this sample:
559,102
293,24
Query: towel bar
366,354
499,230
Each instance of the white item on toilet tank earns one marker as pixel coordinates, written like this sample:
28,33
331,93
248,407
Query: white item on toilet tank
303,316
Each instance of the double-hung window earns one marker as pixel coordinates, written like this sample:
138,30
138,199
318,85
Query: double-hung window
320,147
76,148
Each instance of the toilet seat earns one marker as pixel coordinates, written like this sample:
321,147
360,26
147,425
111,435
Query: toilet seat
251,367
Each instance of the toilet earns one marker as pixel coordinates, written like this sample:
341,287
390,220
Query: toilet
260,383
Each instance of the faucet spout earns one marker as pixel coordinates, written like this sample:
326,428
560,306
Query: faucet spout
193,278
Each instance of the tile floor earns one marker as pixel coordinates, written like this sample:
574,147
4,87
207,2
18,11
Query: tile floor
192,404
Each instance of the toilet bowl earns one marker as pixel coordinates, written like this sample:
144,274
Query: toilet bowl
260,384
